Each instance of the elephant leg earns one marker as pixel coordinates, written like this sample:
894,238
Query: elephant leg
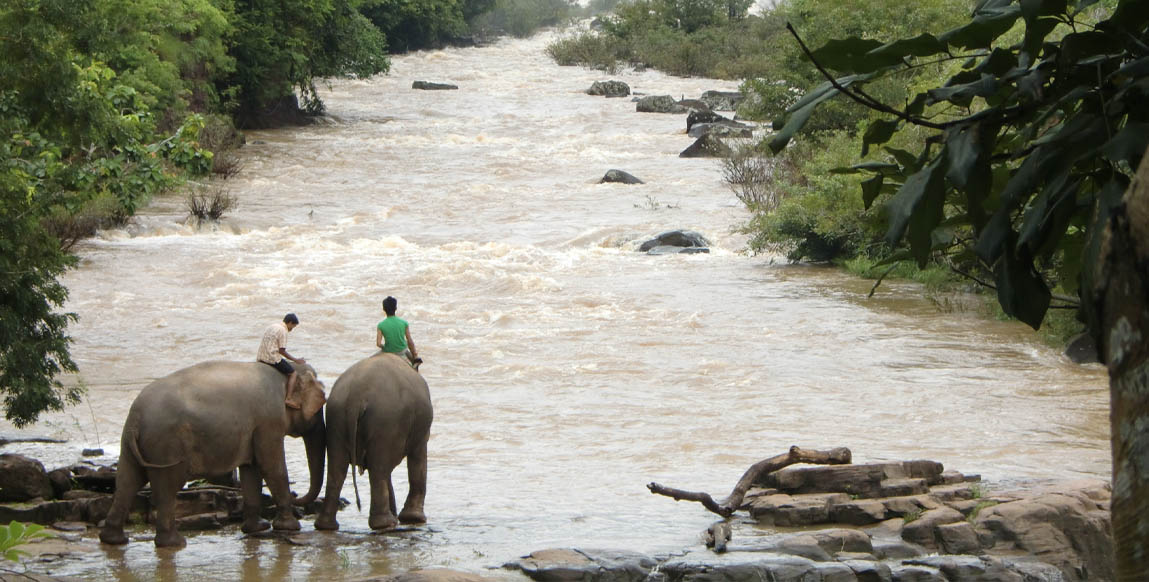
166,484
337,462
252,486
417,483
274,470
382,501
130,478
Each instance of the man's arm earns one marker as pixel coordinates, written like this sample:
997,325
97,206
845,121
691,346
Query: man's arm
379,338
283,352
411,344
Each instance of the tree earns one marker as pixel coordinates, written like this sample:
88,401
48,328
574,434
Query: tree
1036,138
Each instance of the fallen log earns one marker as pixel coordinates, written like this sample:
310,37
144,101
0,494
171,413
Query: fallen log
725,508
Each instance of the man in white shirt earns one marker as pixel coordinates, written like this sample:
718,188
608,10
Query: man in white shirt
273,352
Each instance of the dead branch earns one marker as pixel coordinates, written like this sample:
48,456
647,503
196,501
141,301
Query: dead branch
836,456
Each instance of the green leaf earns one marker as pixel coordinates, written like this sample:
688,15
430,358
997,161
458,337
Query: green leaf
1021,290
847,55
989,22
870,190
1047,217
962,95
880,131
997,63
924,191
1128,145
878,167
964,149
907,160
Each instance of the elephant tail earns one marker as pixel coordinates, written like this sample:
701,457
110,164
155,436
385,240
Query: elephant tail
134,444
355,456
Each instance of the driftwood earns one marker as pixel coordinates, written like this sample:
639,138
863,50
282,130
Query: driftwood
727,507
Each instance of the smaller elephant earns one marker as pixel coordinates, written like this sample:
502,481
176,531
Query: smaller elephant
378,413
208,419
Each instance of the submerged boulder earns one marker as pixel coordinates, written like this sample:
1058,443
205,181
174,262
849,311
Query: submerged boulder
609,89
429,86
619,177
722,100
659,104
707,146
677,240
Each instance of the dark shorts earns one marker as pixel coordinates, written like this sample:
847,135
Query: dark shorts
283,367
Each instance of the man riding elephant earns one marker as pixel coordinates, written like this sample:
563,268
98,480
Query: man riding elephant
273,352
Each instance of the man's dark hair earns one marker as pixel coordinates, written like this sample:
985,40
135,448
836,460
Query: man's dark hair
389,305
290,318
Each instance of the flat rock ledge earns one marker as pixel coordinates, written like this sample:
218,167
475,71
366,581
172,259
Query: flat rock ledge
885,522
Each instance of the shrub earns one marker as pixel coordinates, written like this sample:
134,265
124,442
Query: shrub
206,203
748,174
16,534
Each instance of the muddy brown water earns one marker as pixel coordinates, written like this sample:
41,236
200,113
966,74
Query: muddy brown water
567,369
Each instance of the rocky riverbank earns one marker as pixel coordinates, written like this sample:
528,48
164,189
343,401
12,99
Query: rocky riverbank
909,521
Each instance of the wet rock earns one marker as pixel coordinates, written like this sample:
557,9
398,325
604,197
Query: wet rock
89,510
722,100
915,573
1068,528
707,146
858,512
868,571
969,568
92,452
897,550
609,89
1082,349
673,250
619,177
747,568
72,526
795,510
61,481
693,105
202,521
659,104
23,478
430,86
94,478
923,530
720,130
571,565
958,538
703,116
675,238
430,575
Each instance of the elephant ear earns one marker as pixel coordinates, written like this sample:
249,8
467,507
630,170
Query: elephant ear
313,396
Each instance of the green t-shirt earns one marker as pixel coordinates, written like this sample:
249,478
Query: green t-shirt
394,331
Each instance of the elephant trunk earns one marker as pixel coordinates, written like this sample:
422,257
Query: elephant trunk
315,441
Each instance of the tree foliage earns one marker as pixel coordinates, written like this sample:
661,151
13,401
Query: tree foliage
1042,124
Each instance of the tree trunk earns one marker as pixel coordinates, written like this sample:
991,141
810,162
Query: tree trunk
1120,325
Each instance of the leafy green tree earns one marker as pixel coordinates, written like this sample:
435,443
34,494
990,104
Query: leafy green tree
284,47
1029,171
415,24
74,131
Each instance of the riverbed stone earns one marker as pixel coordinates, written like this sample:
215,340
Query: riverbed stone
430,575
743,568
703,116
722,100
1068,528
707,146
23,478
432,86
958,538
923,530
609,89
579,565
795,510
720,130
916,573
619,177
675,238
659,104
858,512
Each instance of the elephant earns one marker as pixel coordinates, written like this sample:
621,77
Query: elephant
379,411
208,419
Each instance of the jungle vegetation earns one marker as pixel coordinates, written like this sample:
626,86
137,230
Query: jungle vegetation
105,103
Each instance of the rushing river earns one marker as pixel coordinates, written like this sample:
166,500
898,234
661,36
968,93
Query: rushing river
567,369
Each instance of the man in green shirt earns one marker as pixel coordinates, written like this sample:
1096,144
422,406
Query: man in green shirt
393,334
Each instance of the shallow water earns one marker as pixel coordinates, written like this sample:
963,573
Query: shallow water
567,370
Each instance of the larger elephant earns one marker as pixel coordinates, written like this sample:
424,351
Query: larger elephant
378,413
208,419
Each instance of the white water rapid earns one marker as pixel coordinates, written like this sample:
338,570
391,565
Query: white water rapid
567,369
